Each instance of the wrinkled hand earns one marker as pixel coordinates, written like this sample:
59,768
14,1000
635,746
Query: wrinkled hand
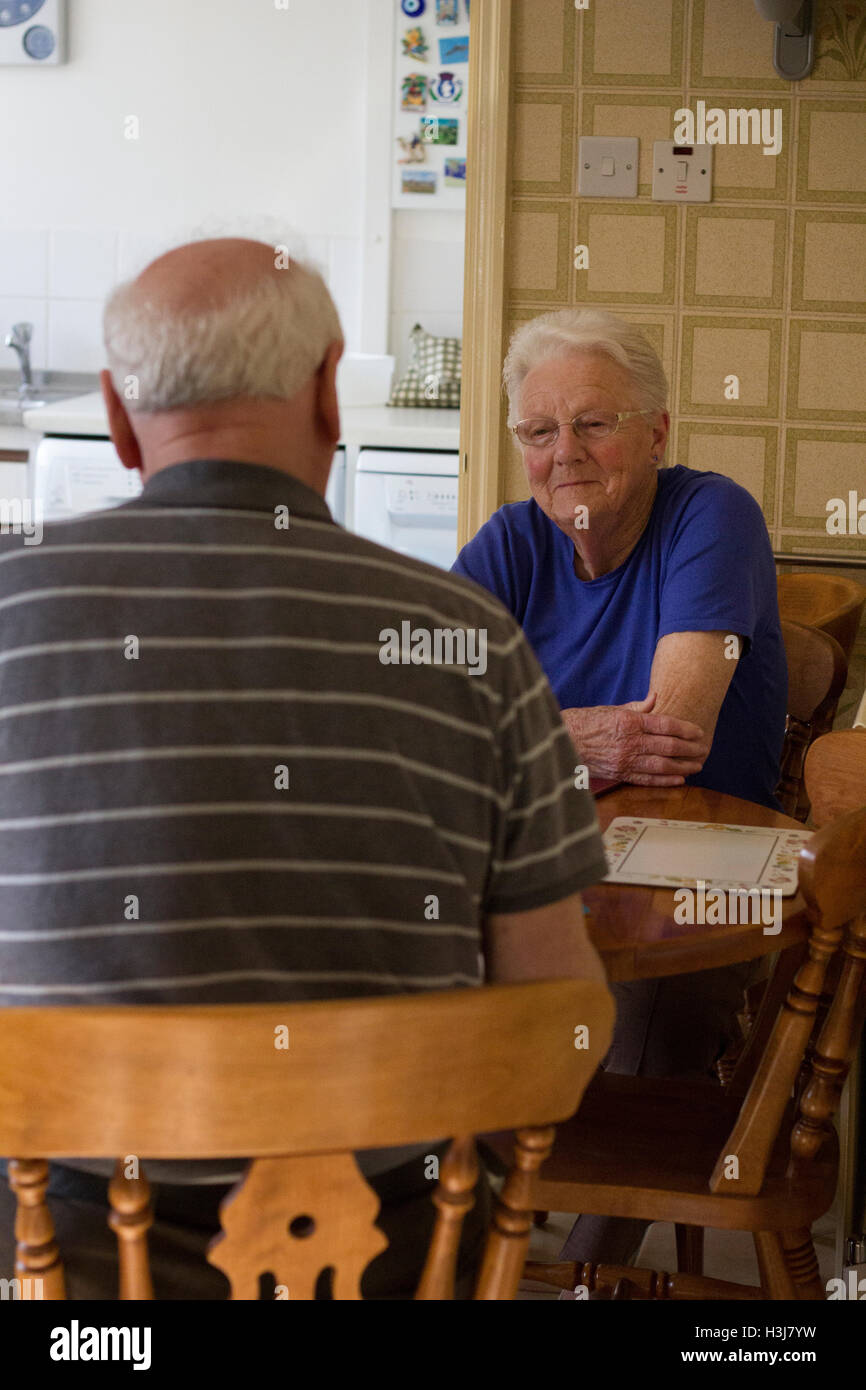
629,744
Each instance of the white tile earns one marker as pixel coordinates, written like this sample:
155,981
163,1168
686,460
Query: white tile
83,262
427,276
75,335
23,261
317,251
414,224
136,250
344,282
14,309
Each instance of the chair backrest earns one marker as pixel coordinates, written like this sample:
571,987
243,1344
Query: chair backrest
832,879
835,774
817,671
297,1088
827,601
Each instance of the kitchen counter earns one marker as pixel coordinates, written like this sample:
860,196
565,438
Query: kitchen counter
377,426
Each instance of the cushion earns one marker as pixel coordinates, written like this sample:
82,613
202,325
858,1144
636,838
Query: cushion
433,375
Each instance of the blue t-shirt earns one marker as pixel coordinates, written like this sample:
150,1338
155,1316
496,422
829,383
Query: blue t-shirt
702,564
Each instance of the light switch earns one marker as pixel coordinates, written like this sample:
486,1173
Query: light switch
682,173
607,166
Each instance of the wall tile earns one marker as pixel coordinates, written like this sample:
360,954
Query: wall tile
538,251
542,157
634,44
82,262
344,282
648,115
713,348
821,464
735,257
831,166
543,43
632,253
829,262
746,453
827,373
427,276
75,335
744,172
732,48
23,262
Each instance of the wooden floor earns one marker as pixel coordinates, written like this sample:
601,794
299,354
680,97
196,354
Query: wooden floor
728,1254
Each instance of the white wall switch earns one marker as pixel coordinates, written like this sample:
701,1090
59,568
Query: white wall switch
682,173
607,166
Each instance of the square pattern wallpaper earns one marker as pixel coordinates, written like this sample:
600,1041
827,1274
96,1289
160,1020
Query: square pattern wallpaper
766,282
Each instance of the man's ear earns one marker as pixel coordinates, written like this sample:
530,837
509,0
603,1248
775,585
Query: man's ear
121,430
327,407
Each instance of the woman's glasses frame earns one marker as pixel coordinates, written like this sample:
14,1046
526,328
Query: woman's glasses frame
582,433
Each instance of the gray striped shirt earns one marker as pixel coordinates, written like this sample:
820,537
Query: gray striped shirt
214,789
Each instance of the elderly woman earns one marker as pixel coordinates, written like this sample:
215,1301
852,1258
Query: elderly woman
649,596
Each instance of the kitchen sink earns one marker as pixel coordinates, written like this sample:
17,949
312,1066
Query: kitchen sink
47,395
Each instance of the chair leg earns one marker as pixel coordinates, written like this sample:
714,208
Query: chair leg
776,1279
690,1249
798,1251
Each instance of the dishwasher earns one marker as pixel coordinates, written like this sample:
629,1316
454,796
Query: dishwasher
406,499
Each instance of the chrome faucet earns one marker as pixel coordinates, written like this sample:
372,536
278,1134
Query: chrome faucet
18,339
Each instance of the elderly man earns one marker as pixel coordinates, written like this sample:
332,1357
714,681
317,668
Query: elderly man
215,787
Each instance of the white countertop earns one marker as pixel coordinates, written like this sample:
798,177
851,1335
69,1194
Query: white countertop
374,425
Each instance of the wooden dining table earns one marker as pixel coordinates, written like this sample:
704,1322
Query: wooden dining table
633,927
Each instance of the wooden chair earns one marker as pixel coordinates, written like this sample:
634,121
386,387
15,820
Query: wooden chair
218,1082
817,671
826,601
691,1153
835,774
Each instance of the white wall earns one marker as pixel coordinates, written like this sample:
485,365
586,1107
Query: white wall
253,120
249,116
426,277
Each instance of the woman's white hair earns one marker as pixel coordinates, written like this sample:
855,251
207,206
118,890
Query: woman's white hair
566,331
266,340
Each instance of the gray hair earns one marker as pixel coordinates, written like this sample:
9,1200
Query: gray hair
266,340
584,330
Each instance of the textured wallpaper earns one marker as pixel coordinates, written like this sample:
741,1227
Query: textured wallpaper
766,282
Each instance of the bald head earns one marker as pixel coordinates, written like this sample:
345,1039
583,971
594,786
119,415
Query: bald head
230,340
205,274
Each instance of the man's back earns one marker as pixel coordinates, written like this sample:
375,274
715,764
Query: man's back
215,785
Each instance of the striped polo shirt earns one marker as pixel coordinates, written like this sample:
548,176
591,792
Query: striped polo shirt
246,755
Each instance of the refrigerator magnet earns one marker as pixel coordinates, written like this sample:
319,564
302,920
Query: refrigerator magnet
414,92
439,130
454,50
413,149
455,173
446,88
413,8
415,44
417,181
447,12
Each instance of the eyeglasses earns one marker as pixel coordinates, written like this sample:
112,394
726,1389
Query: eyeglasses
540,431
